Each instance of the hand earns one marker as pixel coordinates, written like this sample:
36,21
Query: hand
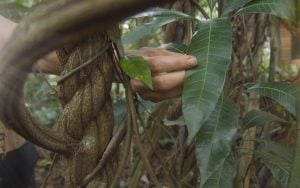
168,73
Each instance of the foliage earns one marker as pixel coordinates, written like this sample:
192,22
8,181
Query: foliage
211,114
209,120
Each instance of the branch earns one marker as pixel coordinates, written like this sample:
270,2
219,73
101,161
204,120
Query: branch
48,28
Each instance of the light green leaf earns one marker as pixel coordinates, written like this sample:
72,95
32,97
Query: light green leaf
137,67
282,8
259,118
159,17
232,5
213,144
279,167
212,46
282,92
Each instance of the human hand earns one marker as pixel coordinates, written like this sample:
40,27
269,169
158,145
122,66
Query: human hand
168,73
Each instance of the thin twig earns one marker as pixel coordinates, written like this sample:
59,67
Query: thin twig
84,64
206,16
47,82
50,170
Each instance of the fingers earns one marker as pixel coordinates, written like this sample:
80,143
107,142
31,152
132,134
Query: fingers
151,52
172,63
155,96
165,86
162,82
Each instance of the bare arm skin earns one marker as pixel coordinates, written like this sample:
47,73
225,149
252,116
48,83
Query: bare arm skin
168,68
49,64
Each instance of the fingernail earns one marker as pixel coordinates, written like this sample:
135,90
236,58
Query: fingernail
192,61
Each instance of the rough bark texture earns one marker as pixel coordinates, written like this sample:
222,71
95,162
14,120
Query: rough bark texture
85,127
87,116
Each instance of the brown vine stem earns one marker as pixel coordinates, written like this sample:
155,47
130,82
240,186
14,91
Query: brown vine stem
49,171
137,138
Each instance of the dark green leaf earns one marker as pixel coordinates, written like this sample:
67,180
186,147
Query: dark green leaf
232,5
213,145
211,45
137,67
259,118
282,92
282,8
279,167
160,17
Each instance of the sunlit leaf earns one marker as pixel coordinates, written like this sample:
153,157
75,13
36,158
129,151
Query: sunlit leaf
259,118
212,46
213,145
281,8
232,5
282,92
137,67
159,18
279,167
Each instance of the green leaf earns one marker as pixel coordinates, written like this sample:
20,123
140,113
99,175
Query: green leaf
211,4
175,47
279,167
282,8
259,118
232,5
160,17
277,149
282,92
137,67
161,12
213,145
212,46
224,176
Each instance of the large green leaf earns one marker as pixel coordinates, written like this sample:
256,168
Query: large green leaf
259,118
213,145
224,176
137,67
159,17
212,46
281,8
282,92
279,167
232,5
